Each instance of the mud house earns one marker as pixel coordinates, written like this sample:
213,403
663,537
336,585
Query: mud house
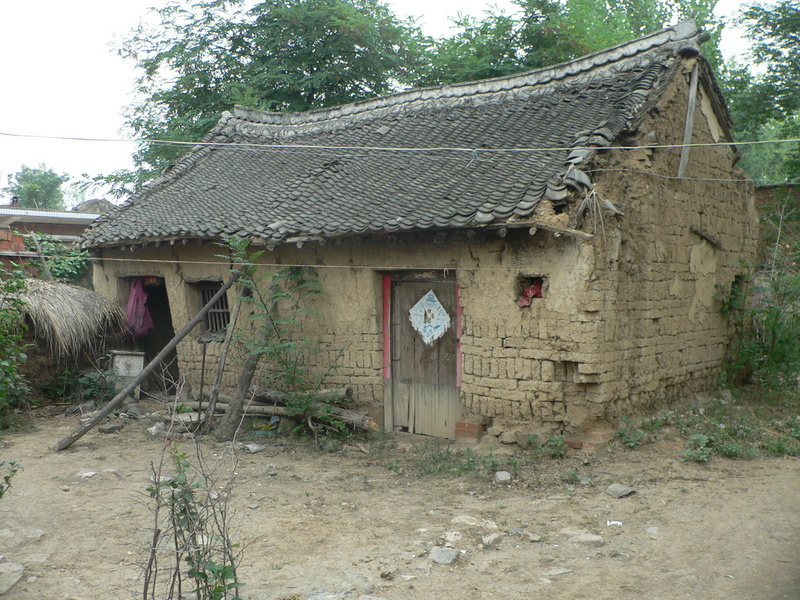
540,251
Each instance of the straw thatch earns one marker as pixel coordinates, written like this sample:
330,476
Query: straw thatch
67,319
96,205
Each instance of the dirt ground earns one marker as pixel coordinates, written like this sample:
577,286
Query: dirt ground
329,525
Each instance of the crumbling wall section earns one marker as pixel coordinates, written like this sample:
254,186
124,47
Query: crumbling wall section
680,246
539,363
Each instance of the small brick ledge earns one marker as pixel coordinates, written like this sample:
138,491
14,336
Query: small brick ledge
590,441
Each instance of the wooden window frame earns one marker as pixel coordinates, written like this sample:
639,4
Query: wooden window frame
219,315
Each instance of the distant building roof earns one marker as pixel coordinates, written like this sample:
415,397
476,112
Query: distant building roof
358,168
96,205
10,215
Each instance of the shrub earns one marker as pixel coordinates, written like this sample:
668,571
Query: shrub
8,468
65,262
555,447
764,311
196,530
629,435
697,448
295,360
14,389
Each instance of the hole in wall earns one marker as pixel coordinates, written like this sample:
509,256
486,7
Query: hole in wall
530,288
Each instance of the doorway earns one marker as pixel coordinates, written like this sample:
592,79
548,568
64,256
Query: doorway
424,349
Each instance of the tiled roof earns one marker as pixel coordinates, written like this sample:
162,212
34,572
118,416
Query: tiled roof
417,160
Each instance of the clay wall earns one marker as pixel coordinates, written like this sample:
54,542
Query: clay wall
518,363
679,247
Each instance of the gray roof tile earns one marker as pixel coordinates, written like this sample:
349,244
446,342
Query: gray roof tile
297,185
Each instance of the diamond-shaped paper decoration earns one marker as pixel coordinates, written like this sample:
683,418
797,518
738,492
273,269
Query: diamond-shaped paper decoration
429,318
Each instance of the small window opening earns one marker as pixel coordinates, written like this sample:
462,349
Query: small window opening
529,289
219,315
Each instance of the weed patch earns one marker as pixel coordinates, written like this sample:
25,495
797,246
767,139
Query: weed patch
629,435
8,469
442,459
755,423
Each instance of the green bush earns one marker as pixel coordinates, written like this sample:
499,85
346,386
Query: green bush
196,532
697,448
764,310
66,262
14,390
555,447
295,361
99,385
630,435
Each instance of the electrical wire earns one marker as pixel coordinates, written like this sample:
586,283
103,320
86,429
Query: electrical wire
282,265
400,149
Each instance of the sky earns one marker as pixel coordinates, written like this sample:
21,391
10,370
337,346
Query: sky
61,77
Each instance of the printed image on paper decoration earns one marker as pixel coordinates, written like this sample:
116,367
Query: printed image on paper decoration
429,318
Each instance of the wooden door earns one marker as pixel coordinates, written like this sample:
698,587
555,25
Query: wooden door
424,325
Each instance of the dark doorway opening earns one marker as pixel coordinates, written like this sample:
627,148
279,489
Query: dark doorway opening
166,376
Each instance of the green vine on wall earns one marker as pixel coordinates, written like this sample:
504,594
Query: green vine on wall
291,352
66,262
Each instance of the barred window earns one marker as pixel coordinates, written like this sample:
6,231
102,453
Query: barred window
219,315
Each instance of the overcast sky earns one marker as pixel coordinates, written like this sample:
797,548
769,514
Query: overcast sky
62,78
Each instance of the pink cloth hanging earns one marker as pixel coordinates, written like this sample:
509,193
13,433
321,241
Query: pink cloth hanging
137,316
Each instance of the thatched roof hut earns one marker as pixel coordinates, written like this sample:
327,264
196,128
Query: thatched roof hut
69,320
96,205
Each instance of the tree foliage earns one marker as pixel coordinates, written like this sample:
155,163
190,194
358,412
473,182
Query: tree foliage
294,55
13,387
204,58
765,103
547,32
66,263
38,188
775,33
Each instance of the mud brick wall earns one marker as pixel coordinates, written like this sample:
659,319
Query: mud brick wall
665,335
530,364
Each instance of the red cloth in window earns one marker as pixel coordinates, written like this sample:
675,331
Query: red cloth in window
532,291
137,316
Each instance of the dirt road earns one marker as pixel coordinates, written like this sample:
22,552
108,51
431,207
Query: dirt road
335,525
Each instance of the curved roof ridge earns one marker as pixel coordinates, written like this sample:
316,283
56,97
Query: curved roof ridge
684,31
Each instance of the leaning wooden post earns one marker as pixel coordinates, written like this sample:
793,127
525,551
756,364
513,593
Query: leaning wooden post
117,400
46,267
227,428
223,358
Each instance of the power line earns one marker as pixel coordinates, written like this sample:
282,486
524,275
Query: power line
399,149
238,266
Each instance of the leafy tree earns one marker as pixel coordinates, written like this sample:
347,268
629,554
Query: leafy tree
295,55
765,105
481,48
38,187
66,263
547,32
204,58
775,32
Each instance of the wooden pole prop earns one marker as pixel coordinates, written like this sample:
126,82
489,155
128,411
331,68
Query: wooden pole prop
223,359
47,273
117,400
